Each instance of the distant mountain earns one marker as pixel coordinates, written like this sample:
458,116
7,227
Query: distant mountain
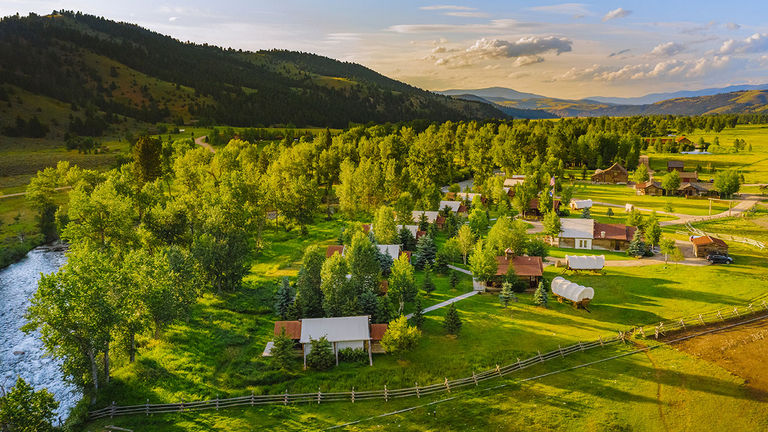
748,101
494,94
84,74
510,111
658,97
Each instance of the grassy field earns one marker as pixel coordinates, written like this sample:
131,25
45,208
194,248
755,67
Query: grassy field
622,194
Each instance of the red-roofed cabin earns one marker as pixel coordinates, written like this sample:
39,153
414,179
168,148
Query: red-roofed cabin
377,333
706,245
614,237
292,329
332,249
526,267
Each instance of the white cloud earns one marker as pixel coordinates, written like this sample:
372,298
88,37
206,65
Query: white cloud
172,19
492,26
448,7
467,14
758,42
525,51
616,13
667,49
575,9
732,26
661,70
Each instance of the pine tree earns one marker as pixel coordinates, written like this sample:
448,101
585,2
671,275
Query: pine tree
407,240
585,213
282,350
283,299
506,295
384,311
452,320
428,284
368,302
418,314
321,355
637,245
453,280
609,212
425,252
540,297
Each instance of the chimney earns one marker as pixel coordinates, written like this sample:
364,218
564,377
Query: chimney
602,234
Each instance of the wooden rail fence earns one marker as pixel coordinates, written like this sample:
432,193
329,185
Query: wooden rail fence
652,331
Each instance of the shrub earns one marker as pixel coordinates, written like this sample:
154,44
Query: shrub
321,355
452,321
353,355
282,351
400,337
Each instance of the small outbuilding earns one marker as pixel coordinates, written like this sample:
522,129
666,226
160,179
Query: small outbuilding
706,245
565,290
432,217
342,332
454,206
530,268
393,250
615,174
651,188
675,165
580,204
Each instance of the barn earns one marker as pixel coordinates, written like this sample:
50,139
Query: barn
706,245
342,332
614,174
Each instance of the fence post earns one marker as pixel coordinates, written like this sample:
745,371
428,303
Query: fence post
580,346
147,407
418,394
285,398
540,359
642,332
765,306
750,308
386,394
682,323
701,319
518,363
601,340
318,395
449,387
498,370
720,316
353,395
736,311
112,410
252,398
474,377
560,349
217,402
181,407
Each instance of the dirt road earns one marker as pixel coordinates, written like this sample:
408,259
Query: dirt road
201,142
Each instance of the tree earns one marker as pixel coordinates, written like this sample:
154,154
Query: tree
427,285
478,221
402,283
451,250
585,214
404,208
384,226
309,295
283,298
537,247
23,409
384,311
671,182
667,248
652,230
425,252
641,174
609,212
400,337
727,182
406,239
338,295
364,264
637,246
453,279
320,356
483,262
452,320
466,241
552,225
283,350
507,234
147,162
506,295
634,218
418,314
540,297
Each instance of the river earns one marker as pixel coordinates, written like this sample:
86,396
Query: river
23,354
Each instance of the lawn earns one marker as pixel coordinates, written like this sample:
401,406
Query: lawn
622,194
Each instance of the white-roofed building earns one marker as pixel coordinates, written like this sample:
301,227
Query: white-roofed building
393,250
468,196
453,205
581,204
514,181
564,289
342,332
576,233
431,215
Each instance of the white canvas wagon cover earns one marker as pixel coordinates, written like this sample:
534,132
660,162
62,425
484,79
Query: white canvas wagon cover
571,291
581,204
585,262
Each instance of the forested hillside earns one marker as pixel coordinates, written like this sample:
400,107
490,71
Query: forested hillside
108,72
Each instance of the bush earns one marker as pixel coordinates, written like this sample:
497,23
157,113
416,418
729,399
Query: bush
321,355
353,355
537,247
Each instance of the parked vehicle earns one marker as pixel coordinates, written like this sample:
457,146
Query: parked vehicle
719,259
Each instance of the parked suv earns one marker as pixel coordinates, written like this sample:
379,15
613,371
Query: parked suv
719,259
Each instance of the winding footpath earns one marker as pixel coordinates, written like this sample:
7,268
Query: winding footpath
201,142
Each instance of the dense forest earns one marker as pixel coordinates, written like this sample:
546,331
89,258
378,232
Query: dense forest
108,70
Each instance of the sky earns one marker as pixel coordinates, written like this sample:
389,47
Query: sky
558,49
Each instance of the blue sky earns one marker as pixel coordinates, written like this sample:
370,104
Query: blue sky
560,49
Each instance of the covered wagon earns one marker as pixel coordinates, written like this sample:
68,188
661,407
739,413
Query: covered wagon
565,290
577,263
